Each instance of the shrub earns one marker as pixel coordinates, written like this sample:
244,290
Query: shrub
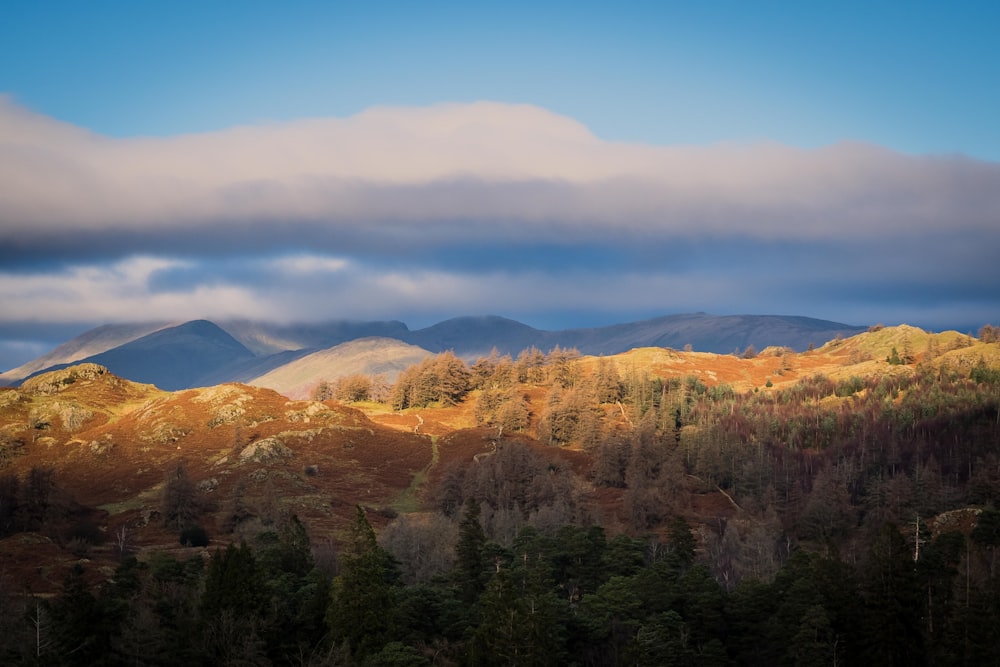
194,536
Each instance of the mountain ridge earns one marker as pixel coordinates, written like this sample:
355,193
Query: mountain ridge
265,347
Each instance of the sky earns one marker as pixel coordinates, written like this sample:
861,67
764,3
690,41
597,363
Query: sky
565,164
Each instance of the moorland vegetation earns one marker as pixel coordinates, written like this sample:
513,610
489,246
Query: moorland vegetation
840,506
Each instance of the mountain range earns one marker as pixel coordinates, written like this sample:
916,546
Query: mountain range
293,357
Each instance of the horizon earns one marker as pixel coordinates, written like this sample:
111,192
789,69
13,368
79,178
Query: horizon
60,334
563,165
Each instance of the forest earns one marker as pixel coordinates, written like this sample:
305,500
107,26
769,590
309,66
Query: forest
852,521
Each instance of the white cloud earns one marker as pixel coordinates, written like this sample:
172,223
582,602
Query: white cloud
454,170
118,292
308,264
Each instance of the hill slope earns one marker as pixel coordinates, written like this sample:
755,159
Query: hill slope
173,358
181,356
367,356
89,343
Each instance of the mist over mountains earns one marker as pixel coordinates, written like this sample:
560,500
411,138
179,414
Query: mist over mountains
177,356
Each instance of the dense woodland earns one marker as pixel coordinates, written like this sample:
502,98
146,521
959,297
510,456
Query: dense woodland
861,526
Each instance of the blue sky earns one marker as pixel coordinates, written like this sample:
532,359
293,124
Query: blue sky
565,164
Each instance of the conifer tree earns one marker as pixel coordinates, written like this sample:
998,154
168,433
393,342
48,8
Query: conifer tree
469,564
361,597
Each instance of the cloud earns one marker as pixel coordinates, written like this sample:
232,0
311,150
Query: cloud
308,264
118,292
451,174
426,213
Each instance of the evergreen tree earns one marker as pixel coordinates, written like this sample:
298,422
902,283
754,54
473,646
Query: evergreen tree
232,607
469,566
892,603
361,597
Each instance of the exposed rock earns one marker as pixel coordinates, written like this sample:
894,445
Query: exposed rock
267,449
208,485
305,415
102,446
70,415
9,397
55,381
226,414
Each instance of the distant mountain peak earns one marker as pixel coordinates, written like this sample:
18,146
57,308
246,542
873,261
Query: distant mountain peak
201,352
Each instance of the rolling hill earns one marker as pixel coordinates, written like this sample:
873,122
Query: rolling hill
254,453
366,356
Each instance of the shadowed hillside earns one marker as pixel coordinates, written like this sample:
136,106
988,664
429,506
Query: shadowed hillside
176,357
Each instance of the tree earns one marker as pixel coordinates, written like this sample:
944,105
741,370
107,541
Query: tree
36,505
608,383
442,378
469,565
424,546
989,333
353,388
521,621
681,542
323,391
892,600
182,503
232,607
361,597
562,369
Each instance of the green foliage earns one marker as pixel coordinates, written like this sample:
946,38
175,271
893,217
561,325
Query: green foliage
194,536
362,595
850,386
983,374
470,568
182,501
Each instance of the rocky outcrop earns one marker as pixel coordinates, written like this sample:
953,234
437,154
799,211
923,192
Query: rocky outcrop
55,381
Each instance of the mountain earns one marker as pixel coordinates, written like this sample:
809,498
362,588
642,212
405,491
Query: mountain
175,357
204,353
477,336
367,356
721,334
264,338
89,343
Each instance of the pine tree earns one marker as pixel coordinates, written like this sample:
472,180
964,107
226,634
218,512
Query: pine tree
469,565
361,597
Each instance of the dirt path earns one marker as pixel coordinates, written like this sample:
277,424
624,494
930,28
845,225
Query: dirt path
409,499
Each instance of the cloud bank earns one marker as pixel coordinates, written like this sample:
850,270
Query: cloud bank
486,207
437,169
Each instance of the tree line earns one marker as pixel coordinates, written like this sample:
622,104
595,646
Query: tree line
569,595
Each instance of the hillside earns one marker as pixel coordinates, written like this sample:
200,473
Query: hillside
89,343
383,357
267,338
268,346
664,470
174,357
